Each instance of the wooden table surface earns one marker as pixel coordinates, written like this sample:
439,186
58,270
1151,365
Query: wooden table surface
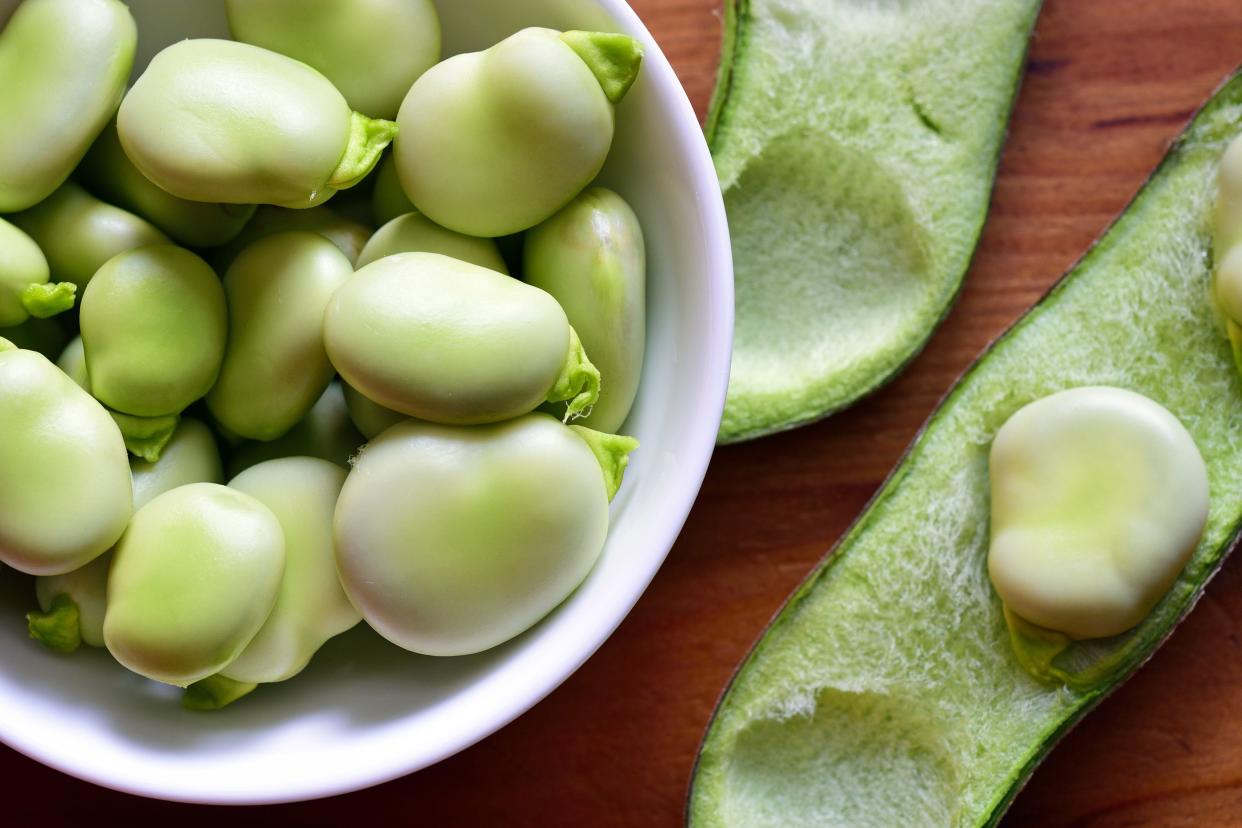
1110,82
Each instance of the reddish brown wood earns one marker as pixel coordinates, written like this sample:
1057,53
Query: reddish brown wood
1110,82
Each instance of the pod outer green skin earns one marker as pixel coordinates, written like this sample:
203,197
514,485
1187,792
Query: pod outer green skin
415,233
388,200
225,122
590,256
275,366
107,171
494,142
857,194
446,341
22,264
79,233
371,418
154,325
371,50
451,540
193,579
311,606
893,659
63,67
326,432
348,235
64,475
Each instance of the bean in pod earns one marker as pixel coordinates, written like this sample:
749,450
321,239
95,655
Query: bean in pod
275,366
79,233
63,67
415,233
154,325
193,580
218,121
371,50
591,258
65,492
108,173
494,142
451,540
451,342
72,605
24,273
311,606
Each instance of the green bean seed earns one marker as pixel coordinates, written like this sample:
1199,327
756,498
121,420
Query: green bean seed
371,418
312,606
218,121
275,366
451,540
22,264
415,233
64,477
193,579
107,171
447,341
154,325
63,67
590,256
371,50
79,233
326,432
73,362
388,200
495,142
348,235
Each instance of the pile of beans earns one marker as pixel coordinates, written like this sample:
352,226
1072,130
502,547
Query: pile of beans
418,422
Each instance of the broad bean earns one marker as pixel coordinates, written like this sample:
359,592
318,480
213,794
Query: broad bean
154,325
590,257
371,50
64,477
218,121
447,341
415,233
63,67
326,432
451,540
494,142
275,366
193,579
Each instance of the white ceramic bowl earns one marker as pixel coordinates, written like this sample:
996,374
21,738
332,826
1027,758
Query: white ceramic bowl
365,712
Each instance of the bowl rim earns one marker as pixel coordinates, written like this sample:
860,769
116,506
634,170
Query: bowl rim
692,468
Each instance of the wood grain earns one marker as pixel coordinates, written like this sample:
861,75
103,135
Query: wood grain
1110,82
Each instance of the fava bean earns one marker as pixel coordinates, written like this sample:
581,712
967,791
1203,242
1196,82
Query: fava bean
23,277
326,432
275,366
64,478
590,256
447,341
371,418
494,142
193,579
388,200
107,171
348,235
154,324
214,120
79,233
415,233
451,540
72,605
63,67
371,50
311,606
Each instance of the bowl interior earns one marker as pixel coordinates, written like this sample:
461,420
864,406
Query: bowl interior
365,711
